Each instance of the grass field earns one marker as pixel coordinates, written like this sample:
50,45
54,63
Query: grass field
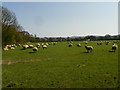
61,66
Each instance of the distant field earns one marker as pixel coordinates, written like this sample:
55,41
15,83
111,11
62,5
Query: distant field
61,66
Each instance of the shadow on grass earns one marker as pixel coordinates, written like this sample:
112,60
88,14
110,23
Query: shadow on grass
85,52
31,52
22,49
111,51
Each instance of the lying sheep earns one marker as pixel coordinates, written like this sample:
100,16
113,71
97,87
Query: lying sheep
44,46
114,47
79,45
9,46
5,49
89,48
35,49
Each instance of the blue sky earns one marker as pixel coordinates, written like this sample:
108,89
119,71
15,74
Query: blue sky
49,19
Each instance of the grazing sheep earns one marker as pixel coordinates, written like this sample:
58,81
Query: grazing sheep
35,49
54,43
44,46
38,45
47,44
115,41
12,48
79,45
89,48
31,46
19,45
25,46
13,45
99,43
114,47
86,42
107,42
70,45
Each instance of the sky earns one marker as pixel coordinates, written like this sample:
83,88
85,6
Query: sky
63,19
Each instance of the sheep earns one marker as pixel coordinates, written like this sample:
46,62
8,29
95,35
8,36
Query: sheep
114,47
25,46
107,42
19,45
9,46
5,49
79,45
86,42
54,43
115,41
13,45
12,48
99,43
89,48
35,49
38,45
70,45
47,44
31,46
44,46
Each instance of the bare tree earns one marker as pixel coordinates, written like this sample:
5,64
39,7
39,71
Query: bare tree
8,19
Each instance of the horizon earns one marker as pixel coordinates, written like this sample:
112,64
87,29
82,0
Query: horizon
66,19
77,36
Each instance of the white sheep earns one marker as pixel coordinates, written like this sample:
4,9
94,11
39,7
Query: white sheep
107,42
86,42
114,47
5,49
99,43
44,46
25,46
79,45
12,48
38,45
13,45
89,48
35,49
31,46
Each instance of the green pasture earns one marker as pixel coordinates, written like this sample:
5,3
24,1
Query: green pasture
60,66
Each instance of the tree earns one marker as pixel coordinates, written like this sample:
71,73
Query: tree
8,19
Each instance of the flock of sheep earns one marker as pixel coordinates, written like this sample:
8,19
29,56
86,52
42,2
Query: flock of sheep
44,46
26,46
90,48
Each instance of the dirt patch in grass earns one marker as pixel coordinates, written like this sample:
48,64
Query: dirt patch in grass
25,61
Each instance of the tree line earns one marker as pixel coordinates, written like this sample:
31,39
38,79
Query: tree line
13,33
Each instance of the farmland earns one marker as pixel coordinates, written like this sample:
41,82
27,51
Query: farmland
60,66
